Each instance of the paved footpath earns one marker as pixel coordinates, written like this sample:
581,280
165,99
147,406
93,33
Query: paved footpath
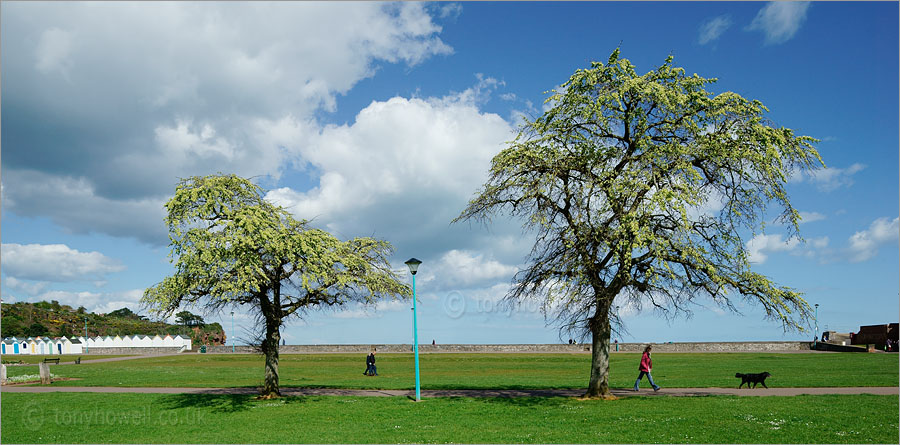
619,392
85,360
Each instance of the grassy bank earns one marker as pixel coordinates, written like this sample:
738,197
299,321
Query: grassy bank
477,371
160,418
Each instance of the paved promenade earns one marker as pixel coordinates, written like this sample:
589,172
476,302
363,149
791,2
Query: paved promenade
619,392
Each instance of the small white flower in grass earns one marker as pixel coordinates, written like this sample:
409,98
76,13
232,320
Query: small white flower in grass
28,377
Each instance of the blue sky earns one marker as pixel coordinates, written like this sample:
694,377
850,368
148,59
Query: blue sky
381,119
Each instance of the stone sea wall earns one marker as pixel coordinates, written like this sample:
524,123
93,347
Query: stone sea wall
759,346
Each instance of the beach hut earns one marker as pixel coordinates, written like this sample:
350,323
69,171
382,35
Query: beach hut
66,344
168,341
127,341
8,346
143,341
157,341
75,346
183,341
49,344
32,345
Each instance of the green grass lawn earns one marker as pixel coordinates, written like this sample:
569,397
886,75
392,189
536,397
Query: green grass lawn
184,418
62,358
474,371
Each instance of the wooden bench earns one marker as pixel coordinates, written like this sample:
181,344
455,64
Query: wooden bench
52,360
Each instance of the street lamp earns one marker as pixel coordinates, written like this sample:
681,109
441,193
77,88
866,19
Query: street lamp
87,348
617,316
232,332
817,320
413,265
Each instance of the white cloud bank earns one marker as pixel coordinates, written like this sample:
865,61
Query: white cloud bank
861,246
780,20
55,262
140,95
402,171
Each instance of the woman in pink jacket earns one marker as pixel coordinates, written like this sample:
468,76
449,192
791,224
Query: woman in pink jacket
644,368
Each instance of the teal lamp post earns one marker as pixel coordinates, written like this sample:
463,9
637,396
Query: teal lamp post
232,332
817,321
413,265
87,348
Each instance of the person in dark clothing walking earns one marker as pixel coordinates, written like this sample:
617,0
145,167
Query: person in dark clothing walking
370,364
644,368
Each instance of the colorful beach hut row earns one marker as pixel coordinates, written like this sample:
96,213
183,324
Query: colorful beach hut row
40,346
80,345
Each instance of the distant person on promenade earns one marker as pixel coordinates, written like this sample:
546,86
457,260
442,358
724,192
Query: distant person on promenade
370,364
644,368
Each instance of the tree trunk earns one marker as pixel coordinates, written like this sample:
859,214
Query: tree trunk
271,311
600,331
270,349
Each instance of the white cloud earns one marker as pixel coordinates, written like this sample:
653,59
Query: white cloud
56,262
759,248
808,217
450,10
459,269
780,20
403,170
864,244
29,288
185,89
761,244
181,141
714,28
829,179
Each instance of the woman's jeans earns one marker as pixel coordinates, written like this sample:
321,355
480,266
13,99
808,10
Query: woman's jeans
649,377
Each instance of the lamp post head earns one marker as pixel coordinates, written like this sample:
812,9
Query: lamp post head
413,265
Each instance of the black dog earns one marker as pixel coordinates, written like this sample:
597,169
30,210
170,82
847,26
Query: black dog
753,378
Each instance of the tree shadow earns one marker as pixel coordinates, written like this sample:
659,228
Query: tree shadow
536,401
223,403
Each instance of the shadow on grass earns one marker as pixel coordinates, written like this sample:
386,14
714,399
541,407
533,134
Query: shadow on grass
537,401
433,387
223,403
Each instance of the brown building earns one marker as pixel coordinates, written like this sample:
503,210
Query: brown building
877,335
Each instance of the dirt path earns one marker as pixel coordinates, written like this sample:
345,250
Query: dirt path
619,392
